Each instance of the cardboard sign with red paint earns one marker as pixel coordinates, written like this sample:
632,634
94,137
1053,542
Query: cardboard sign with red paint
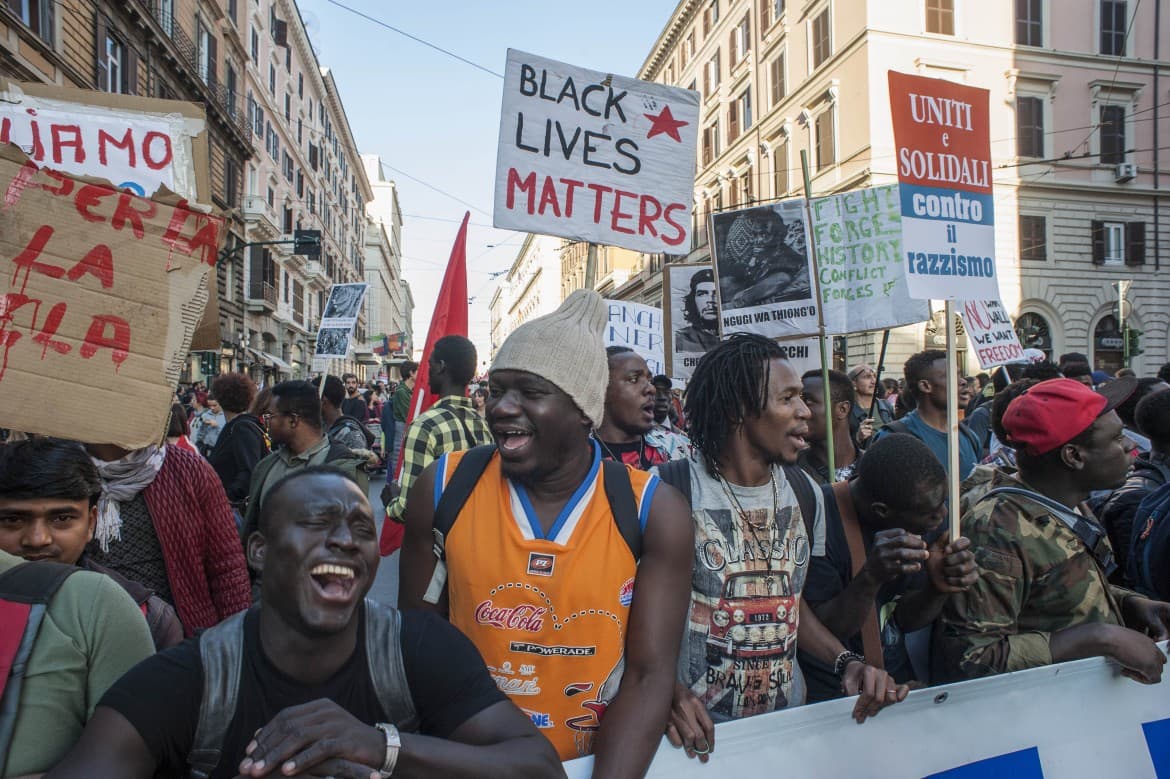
97,284
942,135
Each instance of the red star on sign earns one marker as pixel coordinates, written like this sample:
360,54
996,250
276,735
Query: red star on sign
665,123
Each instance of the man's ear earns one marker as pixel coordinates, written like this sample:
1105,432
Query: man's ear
93,515
256,547
1070,455
880,510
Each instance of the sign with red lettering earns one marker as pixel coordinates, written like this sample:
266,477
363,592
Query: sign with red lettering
133,149
97,284
943,139
595,157
991,333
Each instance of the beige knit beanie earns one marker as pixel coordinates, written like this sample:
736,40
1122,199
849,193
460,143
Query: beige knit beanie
566,347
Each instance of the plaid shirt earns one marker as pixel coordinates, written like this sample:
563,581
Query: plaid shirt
442,428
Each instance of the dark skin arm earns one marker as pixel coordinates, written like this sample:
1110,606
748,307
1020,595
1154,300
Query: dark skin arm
417,561
322,739
109,747
637,716
895,553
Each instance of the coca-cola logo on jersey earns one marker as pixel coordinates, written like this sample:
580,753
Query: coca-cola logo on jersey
523,617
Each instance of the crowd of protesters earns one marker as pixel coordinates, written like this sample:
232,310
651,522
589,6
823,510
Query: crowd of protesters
591,558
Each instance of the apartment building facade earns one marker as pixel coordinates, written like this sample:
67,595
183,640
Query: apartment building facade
307,176
174,49
389,304
1074,94
532,287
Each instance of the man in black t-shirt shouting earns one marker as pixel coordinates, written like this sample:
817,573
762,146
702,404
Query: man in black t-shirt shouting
325,679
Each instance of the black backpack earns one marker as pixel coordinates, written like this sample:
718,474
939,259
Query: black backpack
677,473
1149,552
345,420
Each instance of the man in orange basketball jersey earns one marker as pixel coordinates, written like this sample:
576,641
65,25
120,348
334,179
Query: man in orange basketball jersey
570,575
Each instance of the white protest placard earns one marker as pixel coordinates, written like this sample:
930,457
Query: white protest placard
1024,725
638,327
595,157
943,139
97,135
764,271
858,240
338,319
803,354
691,309
990,331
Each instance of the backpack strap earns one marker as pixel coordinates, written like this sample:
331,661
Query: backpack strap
622,505
452,496
677,473
1091,534
26,590
871,640
221,650
384,659
806,497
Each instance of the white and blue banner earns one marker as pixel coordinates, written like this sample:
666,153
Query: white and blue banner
1068,721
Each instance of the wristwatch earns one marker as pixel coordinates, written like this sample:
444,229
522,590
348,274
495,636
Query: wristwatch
393,744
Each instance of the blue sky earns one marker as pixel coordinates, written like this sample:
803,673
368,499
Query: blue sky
437,119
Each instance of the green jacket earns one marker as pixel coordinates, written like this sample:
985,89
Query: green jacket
335,455
1036,577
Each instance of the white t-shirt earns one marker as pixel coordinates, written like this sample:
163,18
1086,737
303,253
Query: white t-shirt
739,647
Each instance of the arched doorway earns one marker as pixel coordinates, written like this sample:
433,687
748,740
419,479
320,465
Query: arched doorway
1034,333
1108,345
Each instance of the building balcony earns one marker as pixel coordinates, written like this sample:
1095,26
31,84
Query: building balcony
261,297
257,210
315,273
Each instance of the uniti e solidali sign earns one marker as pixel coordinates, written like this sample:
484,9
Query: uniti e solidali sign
595,157
942,135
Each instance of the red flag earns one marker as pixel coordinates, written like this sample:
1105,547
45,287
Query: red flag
450,318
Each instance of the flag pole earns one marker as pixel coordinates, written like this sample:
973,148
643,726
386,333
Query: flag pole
952,422
826,390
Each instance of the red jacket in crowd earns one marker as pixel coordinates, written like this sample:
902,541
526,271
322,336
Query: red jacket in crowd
200,543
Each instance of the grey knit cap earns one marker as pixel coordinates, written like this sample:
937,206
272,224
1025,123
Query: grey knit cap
567,348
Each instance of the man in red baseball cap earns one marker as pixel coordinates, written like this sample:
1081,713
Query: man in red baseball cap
1044,596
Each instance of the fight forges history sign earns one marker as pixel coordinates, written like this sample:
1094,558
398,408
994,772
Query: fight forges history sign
595,157
941,131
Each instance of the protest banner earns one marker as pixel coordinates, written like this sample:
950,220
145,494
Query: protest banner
595,157
942,135
858,241
638,327
102,284
1025,725
135,143
990,331
763,271
338,320
691,312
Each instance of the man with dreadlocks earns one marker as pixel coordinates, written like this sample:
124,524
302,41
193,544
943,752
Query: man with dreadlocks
757,521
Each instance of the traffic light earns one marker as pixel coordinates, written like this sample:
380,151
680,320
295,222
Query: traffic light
1133,341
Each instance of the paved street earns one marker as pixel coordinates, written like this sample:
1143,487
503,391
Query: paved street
385,587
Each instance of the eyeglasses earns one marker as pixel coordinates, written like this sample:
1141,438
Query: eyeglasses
266,418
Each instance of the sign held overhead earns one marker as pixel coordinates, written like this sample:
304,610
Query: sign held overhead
595,157
943,140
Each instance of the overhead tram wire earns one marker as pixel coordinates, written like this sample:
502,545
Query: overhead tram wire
415,38
1116,69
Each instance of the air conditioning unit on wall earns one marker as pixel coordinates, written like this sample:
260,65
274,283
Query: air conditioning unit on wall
1124,172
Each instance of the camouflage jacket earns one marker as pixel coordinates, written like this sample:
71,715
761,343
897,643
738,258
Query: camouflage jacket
1036,578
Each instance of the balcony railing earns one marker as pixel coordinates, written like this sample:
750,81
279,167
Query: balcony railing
262,291
189,54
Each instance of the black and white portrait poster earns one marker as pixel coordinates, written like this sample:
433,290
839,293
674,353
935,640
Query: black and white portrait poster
691,328
344,304
333,342
763,270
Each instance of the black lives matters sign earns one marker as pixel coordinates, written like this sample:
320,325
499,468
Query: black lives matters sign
595,157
